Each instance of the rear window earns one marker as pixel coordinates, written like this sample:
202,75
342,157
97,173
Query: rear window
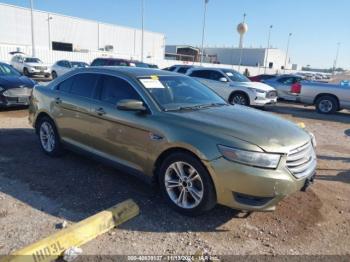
183,70
98,62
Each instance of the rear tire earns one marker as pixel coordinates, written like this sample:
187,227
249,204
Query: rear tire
48,137
186,184
326,105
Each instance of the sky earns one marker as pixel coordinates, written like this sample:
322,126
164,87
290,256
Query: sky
317,25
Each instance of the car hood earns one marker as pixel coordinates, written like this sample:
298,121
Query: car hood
265,130
256,85
16,81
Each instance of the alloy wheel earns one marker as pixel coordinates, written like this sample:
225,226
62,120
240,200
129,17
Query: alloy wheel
184,185
47,137
240,100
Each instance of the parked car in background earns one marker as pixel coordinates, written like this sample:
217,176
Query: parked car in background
15,88
120,62
182,69
288,86
63,66
234,87
175,131
261,78
30,66
327,98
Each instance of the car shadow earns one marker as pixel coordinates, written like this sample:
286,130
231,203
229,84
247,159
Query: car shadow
297,110
334,158
74,187
343,176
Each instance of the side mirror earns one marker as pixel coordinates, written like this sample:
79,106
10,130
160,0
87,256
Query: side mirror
223,79
131,105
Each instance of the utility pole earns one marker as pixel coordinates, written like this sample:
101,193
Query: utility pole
203,30
142,25
336,58
49,18
268,46
285,61
32,27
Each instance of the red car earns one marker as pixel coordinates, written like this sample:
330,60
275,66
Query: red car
260,78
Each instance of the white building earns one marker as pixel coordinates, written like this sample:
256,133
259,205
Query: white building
252,57
55,32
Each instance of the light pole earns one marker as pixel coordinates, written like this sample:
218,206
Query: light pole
49,18
203,30
336,59
285,61
32,27
268,46
142,33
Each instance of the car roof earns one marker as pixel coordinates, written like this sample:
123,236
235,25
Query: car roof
210,68
134,72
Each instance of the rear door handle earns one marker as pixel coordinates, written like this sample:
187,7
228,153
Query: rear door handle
58,100
100,111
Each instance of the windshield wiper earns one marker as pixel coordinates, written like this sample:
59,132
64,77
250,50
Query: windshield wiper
195,107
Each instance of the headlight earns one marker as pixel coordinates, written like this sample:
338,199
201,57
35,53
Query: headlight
256,90
313,139
251,158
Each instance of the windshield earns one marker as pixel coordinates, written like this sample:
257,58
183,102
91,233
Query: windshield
79,64
235,76
6,70
180,92
32,60
140,64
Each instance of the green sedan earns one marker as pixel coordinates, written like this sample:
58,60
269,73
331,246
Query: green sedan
199,150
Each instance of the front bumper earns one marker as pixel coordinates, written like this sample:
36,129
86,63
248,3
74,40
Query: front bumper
13,101
264,98
34,71
253,189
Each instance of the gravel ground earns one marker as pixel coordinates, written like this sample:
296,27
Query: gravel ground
37,192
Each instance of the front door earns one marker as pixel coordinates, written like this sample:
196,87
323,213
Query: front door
121,136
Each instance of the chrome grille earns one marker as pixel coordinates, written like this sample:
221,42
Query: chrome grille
18,92
302,161
40,67
271,94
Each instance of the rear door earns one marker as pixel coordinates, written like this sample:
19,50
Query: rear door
72,108
121,136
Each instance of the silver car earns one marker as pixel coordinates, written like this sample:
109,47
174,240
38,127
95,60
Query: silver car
234,87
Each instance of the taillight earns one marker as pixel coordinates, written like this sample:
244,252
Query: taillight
295,88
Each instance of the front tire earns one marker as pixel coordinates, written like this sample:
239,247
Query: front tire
186,184
240,99
48,137
26,72
326,105
54,74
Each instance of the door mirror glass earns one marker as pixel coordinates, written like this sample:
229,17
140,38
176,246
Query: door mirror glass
131,105
223,79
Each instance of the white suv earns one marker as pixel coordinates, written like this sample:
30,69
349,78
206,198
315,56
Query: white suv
30,66
234,87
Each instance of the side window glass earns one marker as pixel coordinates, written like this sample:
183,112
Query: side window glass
216,75
97,62
65,85
114,89
182,70
84,85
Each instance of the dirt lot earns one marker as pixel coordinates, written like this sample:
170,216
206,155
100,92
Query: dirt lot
37,192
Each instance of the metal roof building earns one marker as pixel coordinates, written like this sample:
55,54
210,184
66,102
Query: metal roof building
63,33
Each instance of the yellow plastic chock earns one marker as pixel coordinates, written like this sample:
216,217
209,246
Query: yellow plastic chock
52,247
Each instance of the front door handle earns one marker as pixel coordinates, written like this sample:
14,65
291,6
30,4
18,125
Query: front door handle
58,100
100,111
